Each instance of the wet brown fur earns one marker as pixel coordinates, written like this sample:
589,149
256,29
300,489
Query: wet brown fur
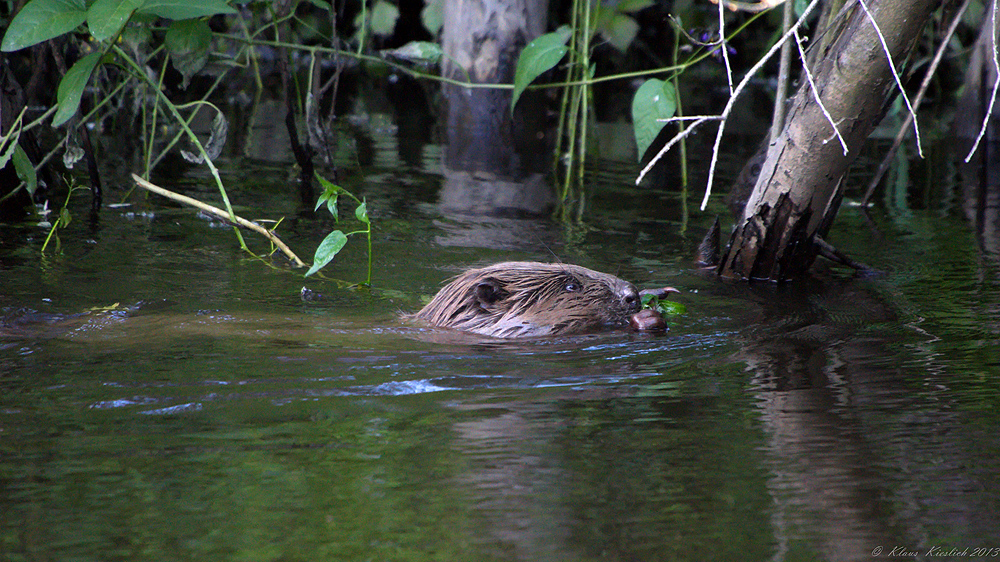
525,299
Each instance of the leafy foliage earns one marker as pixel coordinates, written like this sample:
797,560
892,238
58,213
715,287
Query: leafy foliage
538,57
668,307
654,100
336,240
41,20
71,88
187,41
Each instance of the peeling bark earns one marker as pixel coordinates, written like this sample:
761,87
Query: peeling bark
796,195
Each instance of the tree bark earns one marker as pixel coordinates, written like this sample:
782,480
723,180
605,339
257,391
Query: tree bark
482,40
797,193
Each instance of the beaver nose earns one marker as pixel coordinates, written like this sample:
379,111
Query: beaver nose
629,296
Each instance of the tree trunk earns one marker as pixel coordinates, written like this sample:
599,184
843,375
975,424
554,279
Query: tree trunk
482,40
797,193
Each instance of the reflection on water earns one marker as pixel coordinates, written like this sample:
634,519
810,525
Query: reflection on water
214,415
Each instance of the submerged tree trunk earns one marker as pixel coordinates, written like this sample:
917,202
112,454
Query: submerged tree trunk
797,194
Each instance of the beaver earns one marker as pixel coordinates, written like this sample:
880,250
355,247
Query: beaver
525,299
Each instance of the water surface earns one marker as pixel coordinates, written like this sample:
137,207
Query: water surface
215,415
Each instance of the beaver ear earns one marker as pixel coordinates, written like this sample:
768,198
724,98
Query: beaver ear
489,292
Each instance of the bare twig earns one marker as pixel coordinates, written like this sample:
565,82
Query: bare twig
697,120
224,215
892,67
815,91
996,84
916,103
739,89
784,62
724,49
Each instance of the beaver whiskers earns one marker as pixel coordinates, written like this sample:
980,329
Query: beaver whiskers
524,299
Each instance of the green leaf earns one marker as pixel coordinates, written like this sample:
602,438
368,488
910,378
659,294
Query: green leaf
538,57
417,51
71,88
330,193
619,30
41,20
383,18
105,18
188,42
654,100
185,9
25,171
628,6
330,198
663,306
8,142
432,16
65,217
327,250
672,308
361,213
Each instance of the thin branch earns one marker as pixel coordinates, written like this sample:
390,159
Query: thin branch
892,67
677,138
739,89
222,215
996,84
815,91
784,62
931,70
724,49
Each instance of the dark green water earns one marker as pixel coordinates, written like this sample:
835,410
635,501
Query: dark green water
221,417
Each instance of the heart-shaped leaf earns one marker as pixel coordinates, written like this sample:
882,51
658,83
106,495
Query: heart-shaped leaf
71,88
538,57
653,101
105,18
327,250
41,20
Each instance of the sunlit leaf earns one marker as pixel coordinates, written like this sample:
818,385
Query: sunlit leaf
654,100
185,9
361,213
40,20
329,196
663,306
188,42
327,250
71,88
672,308
432,16
383,17
417,51
537,58
105,18
25,170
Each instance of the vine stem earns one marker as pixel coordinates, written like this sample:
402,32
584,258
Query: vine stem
221,214
194,139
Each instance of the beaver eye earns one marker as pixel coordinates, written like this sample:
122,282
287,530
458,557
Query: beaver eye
571,287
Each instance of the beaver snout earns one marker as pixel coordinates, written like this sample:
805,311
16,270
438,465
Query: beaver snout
628,295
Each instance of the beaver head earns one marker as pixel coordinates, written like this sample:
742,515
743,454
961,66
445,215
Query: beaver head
522,299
